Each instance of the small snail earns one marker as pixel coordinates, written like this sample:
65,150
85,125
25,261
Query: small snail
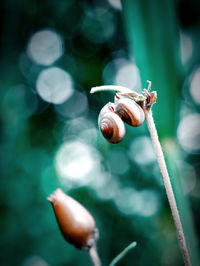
112,115
129,107
110,124
130,111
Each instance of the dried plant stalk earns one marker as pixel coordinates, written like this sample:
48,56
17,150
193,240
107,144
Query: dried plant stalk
167,183
94,256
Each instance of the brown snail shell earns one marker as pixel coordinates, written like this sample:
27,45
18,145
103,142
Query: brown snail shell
110,124
129,111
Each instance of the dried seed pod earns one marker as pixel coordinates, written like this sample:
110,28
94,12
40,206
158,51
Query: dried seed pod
76,223
110,124
129,111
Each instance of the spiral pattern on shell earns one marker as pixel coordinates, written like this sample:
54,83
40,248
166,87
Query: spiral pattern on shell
110,124
130,112
113,115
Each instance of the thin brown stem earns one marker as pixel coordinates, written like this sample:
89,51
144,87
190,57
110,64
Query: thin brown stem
168,186
94,256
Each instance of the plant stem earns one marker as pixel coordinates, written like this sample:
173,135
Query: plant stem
168,186
122,254
94,256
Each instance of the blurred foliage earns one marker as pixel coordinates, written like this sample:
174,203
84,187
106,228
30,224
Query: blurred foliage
52,53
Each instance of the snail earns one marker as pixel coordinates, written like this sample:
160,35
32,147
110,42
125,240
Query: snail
113,115
110,124
129,111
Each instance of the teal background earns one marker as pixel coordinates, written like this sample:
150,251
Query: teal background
119,184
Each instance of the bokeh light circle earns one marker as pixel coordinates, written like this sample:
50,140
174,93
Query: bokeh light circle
98,26
74,106
117,161
186,48
45,47
76,162
116,4
141,151
54,85
122,72
127,76
189,132
34,260
194,85
82,128
134,202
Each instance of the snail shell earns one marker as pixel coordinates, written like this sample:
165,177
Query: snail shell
129,111
110,124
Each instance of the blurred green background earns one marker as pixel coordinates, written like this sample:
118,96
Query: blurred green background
52,53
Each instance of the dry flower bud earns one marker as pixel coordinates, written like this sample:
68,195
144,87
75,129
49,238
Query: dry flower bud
76,223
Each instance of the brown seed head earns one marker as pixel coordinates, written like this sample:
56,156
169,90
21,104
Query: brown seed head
76,223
